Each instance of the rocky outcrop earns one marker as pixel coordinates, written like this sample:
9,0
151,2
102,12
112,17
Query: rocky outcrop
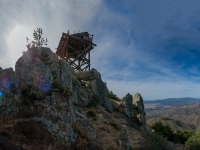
41,67
134,109
68,78
138,102
129,107
100,89
127,143
63,120
30,68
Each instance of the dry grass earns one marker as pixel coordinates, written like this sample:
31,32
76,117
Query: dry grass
84,138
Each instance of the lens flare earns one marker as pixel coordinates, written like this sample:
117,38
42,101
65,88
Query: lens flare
6,83
1,96
43,84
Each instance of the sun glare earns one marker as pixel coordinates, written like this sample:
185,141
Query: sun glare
17,43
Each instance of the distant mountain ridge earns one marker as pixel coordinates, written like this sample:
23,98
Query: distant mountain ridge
173,101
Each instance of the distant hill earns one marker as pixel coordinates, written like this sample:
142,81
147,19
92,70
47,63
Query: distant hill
174,124
188,113
173,101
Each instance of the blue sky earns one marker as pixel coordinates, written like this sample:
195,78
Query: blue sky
151,47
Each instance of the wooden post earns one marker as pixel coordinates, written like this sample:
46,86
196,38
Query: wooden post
89,59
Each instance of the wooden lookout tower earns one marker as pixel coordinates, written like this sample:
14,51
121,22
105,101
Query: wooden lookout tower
75,49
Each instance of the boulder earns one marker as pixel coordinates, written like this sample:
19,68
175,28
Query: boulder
88,75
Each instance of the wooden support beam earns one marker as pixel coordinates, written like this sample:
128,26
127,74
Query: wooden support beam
84,51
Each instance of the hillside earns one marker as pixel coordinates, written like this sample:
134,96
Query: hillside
188,114
174,124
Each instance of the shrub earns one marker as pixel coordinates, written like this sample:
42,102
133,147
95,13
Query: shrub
182,136
91,113
166,131
58,107
67,91
154,141
57,87
30,92
35,95
46,59
93,102
111,95
193,143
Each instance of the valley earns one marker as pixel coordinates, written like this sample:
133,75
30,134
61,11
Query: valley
179,114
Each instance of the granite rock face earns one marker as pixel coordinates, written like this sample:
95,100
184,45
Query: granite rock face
138,102
68,78
97,86
40,66
127,143
62,121
134,109
100,89
129,107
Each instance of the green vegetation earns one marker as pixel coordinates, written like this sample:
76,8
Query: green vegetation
67,92
30,92
182,136
193,143
174,124
111,95
45,58
155,141
167,132
58,107
57,87
93,102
